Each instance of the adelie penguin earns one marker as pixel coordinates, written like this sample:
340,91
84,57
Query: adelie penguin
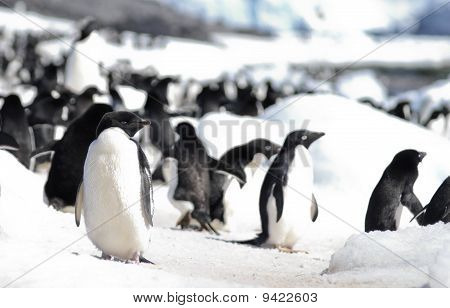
439,207
287,205
187,173
14,123
116,195
70,152
393,191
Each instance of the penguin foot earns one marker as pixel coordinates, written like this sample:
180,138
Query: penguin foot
57,203
135,259
106,257
204,221
290,250
183,222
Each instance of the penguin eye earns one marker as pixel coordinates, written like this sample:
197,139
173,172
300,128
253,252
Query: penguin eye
304,137
268,147
123,122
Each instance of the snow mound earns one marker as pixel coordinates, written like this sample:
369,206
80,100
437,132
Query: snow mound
361,84
414,249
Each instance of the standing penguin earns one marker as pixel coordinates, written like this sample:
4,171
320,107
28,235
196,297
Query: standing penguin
287,204
395,189
70,152
82,69
439,207
14,122
189,185
116,194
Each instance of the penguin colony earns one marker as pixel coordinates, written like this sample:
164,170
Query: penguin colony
100,172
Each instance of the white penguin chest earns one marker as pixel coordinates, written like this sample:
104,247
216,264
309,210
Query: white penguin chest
297,200
298,190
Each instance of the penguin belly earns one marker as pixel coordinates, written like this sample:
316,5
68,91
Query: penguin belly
295,220
112,198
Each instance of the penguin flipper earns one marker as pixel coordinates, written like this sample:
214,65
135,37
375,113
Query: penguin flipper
279,199
257,241
146,185
445,217
48,148
79,204
7,142
420,213
314,208
236,171
413,204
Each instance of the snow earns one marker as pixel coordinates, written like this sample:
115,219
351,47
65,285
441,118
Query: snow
34,22
377,253
361,84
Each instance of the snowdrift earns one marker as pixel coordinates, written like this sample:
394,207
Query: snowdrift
421,253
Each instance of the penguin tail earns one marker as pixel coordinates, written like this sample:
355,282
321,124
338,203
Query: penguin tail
257,241
144,260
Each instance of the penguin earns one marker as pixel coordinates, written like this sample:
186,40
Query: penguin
188,175
7,142
246,103
70,152
439,207
82,69
115,195
188,178
236,159
287,204
15,123
43,134
402,110
47,110
82,102
394,190
271,95
162,135
211,98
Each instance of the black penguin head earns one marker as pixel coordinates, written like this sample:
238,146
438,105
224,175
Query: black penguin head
88,25
12,106
186,131
12,100
302,137
127,121
265,147
407,160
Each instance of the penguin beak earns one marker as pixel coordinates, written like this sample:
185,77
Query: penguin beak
315,136
422,155
143,123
